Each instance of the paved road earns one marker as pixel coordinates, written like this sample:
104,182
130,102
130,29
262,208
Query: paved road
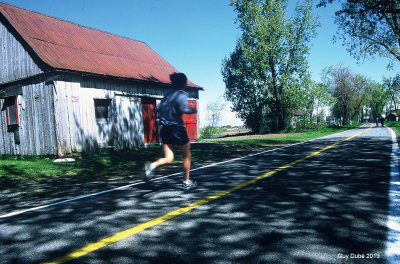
330,207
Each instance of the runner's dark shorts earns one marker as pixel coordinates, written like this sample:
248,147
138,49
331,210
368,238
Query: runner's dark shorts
174,135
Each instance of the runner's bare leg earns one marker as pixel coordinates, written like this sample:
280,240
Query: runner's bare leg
168,156
187,155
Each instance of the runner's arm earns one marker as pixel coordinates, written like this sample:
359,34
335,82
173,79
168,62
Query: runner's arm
183,104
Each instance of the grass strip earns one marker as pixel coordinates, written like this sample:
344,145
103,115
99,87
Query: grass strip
395,125
122,164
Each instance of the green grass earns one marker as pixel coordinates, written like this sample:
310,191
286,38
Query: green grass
126,164
87,167
206,132
395,125
298,137
29,167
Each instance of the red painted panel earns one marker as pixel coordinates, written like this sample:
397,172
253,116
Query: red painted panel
190,122
12,110
149,120
65,45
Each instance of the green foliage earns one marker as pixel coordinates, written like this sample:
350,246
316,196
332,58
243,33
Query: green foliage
392,86
211,132
377,99
266,76
243,90
206,132
317,99
349,93
370,27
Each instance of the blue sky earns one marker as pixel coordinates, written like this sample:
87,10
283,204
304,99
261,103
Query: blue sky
194,36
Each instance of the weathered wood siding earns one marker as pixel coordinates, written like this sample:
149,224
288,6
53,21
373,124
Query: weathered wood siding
127,124
58,117
76,127
15,62
7,145
36,119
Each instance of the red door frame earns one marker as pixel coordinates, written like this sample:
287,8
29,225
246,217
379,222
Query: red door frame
190,121
150,129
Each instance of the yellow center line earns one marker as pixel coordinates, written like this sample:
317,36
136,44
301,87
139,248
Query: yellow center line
139,228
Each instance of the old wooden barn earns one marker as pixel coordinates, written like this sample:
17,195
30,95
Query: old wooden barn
68,88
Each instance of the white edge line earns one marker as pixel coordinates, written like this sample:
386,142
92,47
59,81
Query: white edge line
162,177
392,252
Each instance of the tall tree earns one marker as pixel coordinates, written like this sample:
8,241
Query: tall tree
369,27
243,90
319,99
392,86
378,98
348,91
269,60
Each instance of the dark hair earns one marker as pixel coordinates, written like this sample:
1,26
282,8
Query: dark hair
178,80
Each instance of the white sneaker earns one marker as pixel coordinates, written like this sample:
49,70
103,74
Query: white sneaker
148,171
189,185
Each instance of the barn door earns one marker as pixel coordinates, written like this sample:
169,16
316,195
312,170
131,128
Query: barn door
102,115
128,125
149,120
190,121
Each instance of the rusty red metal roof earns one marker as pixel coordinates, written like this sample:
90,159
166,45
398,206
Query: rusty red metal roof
68,46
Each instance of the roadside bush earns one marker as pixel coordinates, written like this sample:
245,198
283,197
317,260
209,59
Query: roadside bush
211,132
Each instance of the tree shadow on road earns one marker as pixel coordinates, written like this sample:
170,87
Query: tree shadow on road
334,203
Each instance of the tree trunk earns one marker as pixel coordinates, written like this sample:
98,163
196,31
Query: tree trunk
277,95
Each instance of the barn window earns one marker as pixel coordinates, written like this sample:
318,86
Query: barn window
102,108
12,111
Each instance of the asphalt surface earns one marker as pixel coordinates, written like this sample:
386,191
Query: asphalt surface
329,208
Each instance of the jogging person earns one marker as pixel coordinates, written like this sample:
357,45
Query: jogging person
382,120
173,132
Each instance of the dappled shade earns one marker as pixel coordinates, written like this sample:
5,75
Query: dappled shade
334,203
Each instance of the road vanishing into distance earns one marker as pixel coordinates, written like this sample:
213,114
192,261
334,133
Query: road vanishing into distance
330,200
